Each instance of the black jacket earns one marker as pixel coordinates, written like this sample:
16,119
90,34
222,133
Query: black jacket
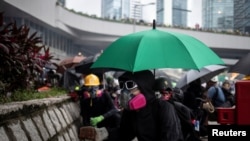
155,122
100,106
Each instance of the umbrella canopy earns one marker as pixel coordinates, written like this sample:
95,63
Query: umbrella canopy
157,73
85,64
242,66
205,74
71,78
70,62
152,49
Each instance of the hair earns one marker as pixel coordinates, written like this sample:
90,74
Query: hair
225,82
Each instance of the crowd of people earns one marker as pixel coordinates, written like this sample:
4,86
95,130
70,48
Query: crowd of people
147,108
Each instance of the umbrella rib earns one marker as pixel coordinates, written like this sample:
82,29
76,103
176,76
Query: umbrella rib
185,49
137,54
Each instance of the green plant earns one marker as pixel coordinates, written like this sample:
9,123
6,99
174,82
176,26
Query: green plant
24,95
22,56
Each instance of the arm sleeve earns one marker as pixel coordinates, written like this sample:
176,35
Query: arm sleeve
110,113
112,110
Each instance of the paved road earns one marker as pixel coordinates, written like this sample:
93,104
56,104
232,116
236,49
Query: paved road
203,138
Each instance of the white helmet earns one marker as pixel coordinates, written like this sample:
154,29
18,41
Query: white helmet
214,79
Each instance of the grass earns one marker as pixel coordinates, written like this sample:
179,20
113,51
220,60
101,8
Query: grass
24,95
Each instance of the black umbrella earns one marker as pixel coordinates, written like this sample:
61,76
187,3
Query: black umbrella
204,74
242,66
84,66
71,78
157,73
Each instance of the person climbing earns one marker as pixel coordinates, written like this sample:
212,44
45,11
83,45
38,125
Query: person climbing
144,116
97,108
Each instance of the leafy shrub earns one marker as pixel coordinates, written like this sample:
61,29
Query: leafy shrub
24,95
22,56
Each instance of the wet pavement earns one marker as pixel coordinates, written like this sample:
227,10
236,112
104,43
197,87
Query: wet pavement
202,138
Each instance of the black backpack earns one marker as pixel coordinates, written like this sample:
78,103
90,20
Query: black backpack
156,111
186,124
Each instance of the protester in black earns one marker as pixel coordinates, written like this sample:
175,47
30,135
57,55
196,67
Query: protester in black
143,116
155,120
97,108
175,97
193,99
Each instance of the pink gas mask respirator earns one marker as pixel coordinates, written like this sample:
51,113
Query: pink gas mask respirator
131,101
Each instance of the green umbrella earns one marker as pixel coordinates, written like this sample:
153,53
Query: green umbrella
152,49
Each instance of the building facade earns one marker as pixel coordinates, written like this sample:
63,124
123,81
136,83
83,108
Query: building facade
121,9
218,15
242,16
53,38
67,32
172,12
111,9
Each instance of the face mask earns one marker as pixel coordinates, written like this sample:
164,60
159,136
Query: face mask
166,97
92,93
132,102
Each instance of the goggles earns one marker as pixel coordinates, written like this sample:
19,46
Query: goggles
129,85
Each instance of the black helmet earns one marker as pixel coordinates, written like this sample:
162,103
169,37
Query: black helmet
178,94
162,83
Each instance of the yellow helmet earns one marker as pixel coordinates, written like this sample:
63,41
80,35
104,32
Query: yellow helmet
91,80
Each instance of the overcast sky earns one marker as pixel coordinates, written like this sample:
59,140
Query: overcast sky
93,7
